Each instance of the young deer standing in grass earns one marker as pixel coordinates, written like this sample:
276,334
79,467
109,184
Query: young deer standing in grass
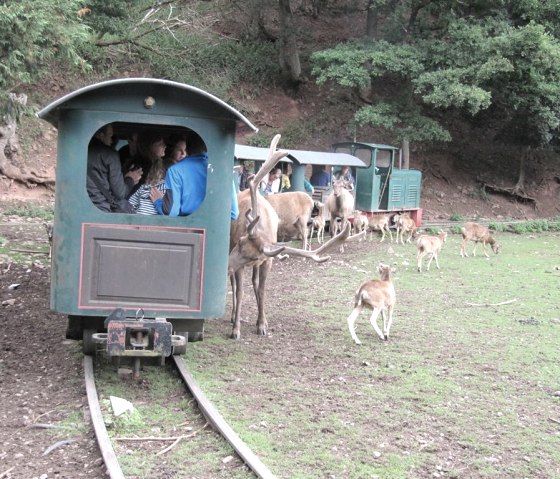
430,245
405,224
380,223
360,224
379,296
318,224
479,234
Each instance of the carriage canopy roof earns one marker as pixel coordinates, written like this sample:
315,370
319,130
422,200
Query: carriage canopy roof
243,152
182,95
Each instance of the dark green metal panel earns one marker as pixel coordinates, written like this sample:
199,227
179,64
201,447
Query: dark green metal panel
404,189
382,186
367,189
74,286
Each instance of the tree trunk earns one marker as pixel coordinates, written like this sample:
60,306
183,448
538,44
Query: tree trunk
520,185
405,155
371,20
9,147
289,54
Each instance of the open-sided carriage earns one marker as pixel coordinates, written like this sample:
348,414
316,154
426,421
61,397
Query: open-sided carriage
132,267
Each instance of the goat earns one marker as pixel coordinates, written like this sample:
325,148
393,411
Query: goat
380,223
379,296
405,224
429,245
253,238
294,211
479,234
340,204
318,223
360,223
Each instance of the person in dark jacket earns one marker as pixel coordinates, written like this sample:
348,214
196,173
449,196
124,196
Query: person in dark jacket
106,185
322,177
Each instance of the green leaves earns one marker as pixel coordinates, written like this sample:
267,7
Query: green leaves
457,61
34,32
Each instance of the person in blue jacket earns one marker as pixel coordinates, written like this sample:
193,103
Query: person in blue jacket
185,183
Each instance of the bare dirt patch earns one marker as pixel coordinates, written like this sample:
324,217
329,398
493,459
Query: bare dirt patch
41,388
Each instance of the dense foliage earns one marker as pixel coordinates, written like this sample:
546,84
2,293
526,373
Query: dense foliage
462,57
418,63
33,33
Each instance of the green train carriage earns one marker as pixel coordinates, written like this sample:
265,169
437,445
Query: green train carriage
143,266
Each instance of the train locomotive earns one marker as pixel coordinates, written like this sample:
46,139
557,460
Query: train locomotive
150,281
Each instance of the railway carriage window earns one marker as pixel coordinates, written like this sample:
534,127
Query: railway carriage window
138,177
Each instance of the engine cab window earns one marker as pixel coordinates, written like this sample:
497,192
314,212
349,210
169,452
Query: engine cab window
383,159
128,164
364,154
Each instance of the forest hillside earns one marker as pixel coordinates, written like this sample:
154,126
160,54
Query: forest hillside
471,91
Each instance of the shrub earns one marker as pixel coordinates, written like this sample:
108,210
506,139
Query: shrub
456,217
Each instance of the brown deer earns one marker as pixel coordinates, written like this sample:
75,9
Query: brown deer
253,241
318,224
340,204
405,224
360,223
379,296
294,212
479,234
429,245
380,223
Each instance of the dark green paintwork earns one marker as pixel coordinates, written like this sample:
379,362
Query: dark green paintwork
381,185
77,116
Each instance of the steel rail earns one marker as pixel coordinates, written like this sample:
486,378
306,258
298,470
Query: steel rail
218,422
109,457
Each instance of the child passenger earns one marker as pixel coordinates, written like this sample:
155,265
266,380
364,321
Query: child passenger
140,200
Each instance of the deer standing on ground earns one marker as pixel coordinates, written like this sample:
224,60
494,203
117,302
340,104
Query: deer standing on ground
253,238
318,224
479,234
405,224
429,245
294,210
380,223
340,204
379,296
360,223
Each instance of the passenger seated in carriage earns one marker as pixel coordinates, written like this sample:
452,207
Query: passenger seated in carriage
106,185
185,184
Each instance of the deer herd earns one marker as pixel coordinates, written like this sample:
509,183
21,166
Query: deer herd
264,221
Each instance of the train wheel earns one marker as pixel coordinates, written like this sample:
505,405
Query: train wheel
178,350
196,336
88,346
74,328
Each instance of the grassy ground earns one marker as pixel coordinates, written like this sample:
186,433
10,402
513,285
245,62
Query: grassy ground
467,386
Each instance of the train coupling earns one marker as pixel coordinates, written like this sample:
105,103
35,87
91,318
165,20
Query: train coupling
139,337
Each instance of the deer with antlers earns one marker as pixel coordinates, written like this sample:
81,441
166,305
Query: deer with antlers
253,242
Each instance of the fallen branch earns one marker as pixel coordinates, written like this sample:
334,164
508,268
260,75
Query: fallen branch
44,414
47,426
175,439
556,421
492,304
58,444
6,472
29,251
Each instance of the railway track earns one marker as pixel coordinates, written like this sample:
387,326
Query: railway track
213,417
